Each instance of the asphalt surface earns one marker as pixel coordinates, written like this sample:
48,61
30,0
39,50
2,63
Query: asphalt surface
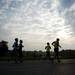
38,67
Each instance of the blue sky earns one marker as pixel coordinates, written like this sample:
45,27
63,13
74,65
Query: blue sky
37,22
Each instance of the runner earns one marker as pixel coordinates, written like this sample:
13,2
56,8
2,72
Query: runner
15,50
48,47
20,51
56,49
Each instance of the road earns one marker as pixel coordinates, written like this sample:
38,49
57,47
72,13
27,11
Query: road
38,67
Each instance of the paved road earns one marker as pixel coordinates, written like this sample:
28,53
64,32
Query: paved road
42,67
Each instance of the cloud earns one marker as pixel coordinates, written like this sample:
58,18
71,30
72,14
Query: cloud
66,3
69,16
36,21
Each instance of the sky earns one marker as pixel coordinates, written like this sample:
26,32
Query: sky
37,22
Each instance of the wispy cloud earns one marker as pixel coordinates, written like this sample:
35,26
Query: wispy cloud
37,21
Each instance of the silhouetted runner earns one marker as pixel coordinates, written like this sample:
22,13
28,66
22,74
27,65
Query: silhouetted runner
56,49
15,50
48,47
20,51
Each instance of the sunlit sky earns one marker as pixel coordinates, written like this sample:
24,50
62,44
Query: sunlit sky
37,22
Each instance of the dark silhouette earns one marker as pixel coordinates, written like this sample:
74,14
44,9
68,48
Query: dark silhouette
20,51
48,47
15,50
56,49
35,54
3,48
